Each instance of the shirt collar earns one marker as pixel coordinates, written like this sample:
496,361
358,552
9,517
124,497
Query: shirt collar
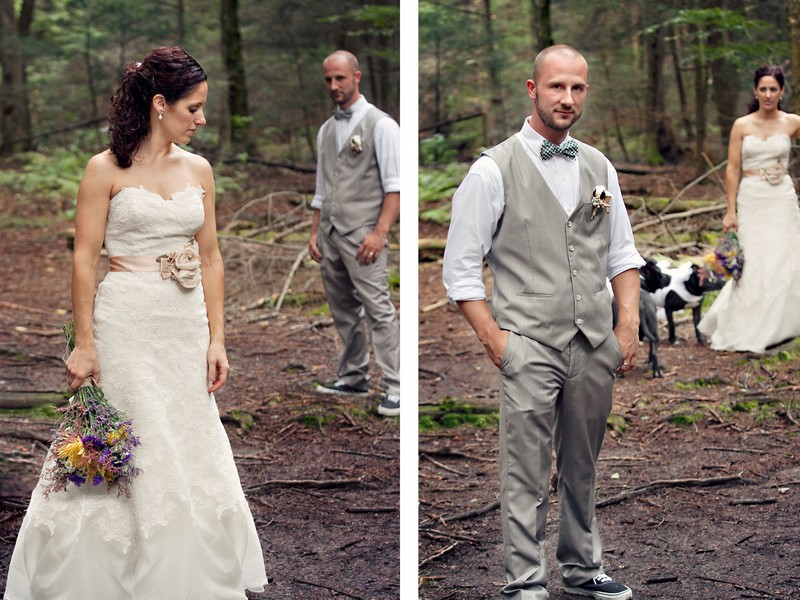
359,105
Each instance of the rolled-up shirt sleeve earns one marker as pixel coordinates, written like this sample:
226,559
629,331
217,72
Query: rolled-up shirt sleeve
387,153
622,253
319,189
477,207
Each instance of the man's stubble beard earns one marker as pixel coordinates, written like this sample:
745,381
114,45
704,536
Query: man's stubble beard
548,120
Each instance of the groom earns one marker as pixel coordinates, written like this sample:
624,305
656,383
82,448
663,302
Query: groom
356,202
547,213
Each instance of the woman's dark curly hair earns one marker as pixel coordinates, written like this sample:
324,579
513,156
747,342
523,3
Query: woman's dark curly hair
765,71
167,71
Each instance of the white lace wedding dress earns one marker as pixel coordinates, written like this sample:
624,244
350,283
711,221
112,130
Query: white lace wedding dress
762,308
186,532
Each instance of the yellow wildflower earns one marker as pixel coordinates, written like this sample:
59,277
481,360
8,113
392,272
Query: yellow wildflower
72,452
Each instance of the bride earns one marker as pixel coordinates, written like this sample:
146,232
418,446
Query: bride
155,343
760,310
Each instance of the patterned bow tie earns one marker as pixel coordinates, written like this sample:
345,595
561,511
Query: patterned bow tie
338,113
568,149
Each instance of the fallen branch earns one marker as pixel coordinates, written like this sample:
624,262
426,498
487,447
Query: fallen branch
30,309
439,554
739,585
455,453
30,399
356,452
436,533
297,261
443,466
666,483
462,516
329,588
372,509
680,215
435,305
308,483
751,501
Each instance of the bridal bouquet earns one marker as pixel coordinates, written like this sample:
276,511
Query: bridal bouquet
93,441
727,259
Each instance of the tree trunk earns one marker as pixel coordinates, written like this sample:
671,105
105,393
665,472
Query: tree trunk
654,103
16,131
615,112
496,112
700,121
793,10
726,87
678,66
541,25
241,125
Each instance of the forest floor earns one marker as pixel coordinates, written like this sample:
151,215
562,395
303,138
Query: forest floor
698,484
327,510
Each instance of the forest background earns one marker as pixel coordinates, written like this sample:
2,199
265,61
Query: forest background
61,60
667,79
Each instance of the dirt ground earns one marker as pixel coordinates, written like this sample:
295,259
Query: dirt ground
328,516
698,481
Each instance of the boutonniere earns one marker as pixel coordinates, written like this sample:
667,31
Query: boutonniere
600,199
355,144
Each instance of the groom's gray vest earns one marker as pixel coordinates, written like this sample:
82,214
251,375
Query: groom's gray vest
549,268
353,190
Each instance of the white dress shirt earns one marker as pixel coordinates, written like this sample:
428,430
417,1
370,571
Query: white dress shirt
386,140
479,202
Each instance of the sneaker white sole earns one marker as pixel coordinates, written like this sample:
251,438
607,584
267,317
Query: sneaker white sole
626,595
388,412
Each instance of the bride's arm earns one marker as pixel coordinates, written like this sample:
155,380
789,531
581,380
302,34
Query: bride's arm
213,281
94,195
733,174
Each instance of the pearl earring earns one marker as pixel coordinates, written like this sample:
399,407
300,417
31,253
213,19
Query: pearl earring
160,116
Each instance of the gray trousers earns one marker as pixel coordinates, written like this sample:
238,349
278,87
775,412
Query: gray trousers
552,398
359,300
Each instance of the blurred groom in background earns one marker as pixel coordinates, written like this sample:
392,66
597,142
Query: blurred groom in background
356,202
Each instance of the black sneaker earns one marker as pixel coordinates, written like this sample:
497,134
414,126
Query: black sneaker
601,587
340,387
390,407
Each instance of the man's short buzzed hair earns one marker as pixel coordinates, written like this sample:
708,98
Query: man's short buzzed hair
344,55
568,51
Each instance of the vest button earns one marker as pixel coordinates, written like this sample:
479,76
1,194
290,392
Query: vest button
569,223
571,248
575,271
579,322
578,297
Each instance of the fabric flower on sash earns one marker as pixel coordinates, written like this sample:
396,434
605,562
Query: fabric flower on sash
183,266
356,144
600,199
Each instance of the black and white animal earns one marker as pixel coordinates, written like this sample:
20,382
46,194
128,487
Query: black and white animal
677,289
648,325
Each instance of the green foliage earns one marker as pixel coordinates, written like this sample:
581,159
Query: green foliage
617,423
451,413
684,419
317,420
436,215
42,411
436,184
436,150
394,280
322,311
745,406
751,37
243,419
699,383
52,176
